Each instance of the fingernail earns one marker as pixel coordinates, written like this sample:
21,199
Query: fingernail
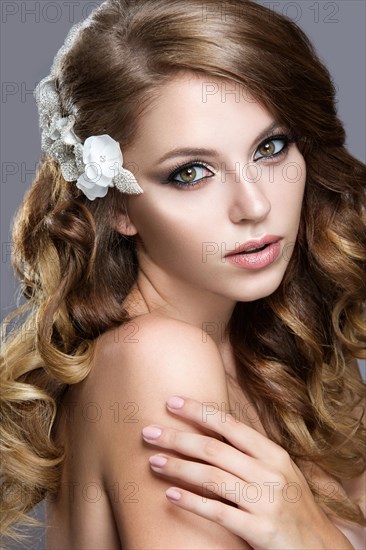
158,460
151,432
173,494
175,402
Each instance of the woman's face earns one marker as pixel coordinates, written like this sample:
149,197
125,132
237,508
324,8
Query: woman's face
254,187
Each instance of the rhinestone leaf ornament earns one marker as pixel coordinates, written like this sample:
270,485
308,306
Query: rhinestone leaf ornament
97,164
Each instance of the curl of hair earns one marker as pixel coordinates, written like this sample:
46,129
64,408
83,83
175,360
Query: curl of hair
293,348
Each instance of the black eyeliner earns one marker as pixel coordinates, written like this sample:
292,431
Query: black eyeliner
168,177
287,138
172,172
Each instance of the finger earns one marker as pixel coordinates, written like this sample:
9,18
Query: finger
237,521
209,479
211,451
212,416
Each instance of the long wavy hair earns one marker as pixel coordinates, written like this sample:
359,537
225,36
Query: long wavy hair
293,348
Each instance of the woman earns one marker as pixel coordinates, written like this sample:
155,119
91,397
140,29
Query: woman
194,230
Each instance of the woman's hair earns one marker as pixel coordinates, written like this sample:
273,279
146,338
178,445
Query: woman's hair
294,347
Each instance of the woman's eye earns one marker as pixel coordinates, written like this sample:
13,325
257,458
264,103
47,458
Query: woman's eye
191,175
272,147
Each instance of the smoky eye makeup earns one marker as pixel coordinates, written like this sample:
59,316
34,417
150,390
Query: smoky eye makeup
195,168
192,174
274,146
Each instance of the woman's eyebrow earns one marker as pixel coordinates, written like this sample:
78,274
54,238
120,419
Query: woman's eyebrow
187,152
190,152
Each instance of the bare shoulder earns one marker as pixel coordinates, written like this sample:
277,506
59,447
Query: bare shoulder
133,377
143,364
153,339
154,330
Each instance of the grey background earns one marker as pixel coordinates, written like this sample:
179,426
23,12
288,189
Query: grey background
33,31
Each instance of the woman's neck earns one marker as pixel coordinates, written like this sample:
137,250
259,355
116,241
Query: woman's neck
174,299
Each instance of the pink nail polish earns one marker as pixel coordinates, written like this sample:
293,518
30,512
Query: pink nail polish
158,461
173,494
175,402
151,432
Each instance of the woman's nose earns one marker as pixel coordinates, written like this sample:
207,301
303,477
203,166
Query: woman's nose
249,196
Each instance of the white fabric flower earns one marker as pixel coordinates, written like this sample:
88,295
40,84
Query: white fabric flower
103,161
96,164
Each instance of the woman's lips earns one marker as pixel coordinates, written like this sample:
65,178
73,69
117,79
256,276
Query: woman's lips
256,259
254,244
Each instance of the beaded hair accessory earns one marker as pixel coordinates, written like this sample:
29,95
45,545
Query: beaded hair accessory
98,163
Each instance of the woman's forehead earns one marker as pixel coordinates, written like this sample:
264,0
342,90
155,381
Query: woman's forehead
195,108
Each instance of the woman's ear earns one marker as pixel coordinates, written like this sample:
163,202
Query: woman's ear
124,225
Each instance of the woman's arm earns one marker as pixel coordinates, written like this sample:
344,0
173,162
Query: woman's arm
168,357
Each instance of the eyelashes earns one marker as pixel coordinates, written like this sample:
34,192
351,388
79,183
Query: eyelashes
189,167
272,148
267,147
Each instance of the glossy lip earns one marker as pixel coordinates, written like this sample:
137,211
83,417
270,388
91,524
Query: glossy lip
254,243
256,260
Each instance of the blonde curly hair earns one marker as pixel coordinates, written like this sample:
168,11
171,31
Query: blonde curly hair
294,347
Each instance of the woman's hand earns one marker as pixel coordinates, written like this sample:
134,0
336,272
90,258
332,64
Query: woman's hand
275,507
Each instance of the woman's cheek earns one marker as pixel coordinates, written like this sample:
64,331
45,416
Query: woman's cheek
289,187
159,229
